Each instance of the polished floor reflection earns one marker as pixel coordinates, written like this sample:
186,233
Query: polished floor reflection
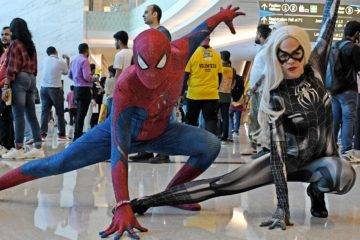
77,205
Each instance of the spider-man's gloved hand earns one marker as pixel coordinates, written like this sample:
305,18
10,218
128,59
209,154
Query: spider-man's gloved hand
225,15
123,221
281,219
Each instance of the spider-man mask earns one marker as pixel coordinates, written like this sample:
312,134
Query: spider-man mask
152,57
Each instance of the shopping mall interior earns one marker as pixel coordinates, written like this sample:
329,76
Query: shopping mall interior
80,203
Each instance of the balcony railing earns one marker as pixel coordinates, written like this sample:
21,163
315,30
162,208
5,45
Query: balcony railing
125,15
111,5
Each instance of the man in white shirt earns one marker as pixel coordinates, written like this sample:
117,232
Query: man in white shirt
256,78
124,56
51,92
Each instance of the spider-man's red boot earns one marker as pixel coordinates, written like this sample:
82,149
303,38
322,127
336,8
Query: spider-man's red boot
186,174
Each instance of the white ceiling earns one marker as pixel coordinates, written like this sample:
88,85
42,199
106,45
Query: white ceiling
241,45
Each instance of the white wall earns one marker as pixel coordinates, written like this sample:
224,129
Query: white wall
58,23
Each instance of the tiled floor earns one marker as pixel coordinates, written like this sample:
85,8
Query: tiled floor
77,205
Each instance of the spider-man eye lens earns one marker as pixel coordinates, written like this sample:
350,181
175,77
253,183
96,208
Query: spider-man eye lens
142,63
162,62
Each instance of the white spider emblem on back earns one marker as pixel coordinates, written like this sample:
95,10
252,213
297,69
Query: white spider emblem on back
306,95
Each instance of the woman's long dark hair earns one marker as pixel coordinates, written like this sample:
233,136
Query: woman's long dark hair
20,31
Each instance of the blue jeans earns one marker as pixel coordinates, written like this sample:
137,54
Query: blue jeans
27,133
109,102
357,125
224,121
234,120
52,97
95,146
23,102
344,114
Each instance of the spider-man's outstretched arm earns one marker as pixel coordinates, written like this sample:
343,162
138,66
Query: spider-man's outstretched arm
191,41
126,125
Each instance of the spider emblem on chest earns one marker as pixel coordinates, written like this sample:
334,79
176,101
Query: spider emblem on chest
306,95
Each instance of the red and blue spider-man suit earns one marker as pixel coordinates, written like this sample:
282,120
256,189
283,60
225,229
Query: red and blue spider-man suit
144,98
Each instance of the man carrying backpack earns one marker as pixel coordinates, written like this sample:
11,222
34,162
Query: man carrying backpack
341,81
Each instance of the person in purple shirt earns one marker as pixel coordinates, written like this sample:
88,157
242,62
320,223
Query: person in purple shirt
83,79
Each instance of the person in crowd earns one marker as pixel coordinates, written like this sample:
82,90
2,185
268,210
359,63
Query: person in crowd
237,105
226,85
98,94
109,89
152,17
83,79
343,86
21,71
356,151
202,76
256,77
51,92
6,118
70,99
124,56
304,118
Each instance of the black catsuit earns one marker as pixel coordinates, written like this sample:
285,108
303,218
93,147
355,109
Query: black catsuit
302,145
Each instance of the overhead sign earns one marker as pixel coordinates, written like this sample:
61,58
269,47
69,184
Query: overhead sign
306,15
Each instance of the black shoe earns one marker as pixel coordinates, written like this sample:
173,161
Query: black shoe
141,157
160,158
318,206
137,207
260,154
226,140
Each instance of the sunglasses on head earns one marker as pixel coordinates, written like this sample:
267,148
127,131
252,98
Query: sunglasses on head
297,54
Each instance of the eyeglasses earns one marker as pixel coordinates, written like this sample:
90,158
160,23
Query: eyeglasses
297,54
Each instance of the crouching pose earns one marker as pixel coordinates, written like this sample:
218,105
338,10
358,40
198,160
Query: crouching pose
295,111
144,98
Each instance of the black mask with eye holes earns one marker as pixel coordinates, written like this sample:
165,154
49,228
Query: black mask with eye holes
297,54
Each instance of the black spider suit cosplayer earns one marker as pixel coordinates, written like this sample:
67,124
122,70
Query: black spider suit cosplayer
302,145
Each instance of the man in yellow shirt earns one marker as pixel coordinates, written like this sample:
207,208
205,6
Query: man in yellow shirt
202,75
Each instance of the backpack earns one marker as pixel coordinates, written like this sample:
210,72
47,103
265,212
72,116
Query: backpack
238,89
334,71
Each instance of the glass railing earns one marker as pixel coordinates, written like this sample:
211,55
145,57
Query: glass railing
111,5
123,14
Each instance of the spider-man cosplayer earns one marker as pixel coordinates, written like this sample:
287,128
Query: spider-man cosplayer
302,145
144,98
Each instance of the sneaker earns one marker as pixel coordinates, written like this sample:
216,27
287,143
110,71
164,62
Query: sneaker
248,151
262,152
14,154
141,157
43,137
29,142
351,156
318,206
62,138
35,153
356,155
160,158
3,150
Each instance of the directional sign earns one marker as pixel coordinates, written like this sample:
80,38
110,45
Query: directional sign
306,15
